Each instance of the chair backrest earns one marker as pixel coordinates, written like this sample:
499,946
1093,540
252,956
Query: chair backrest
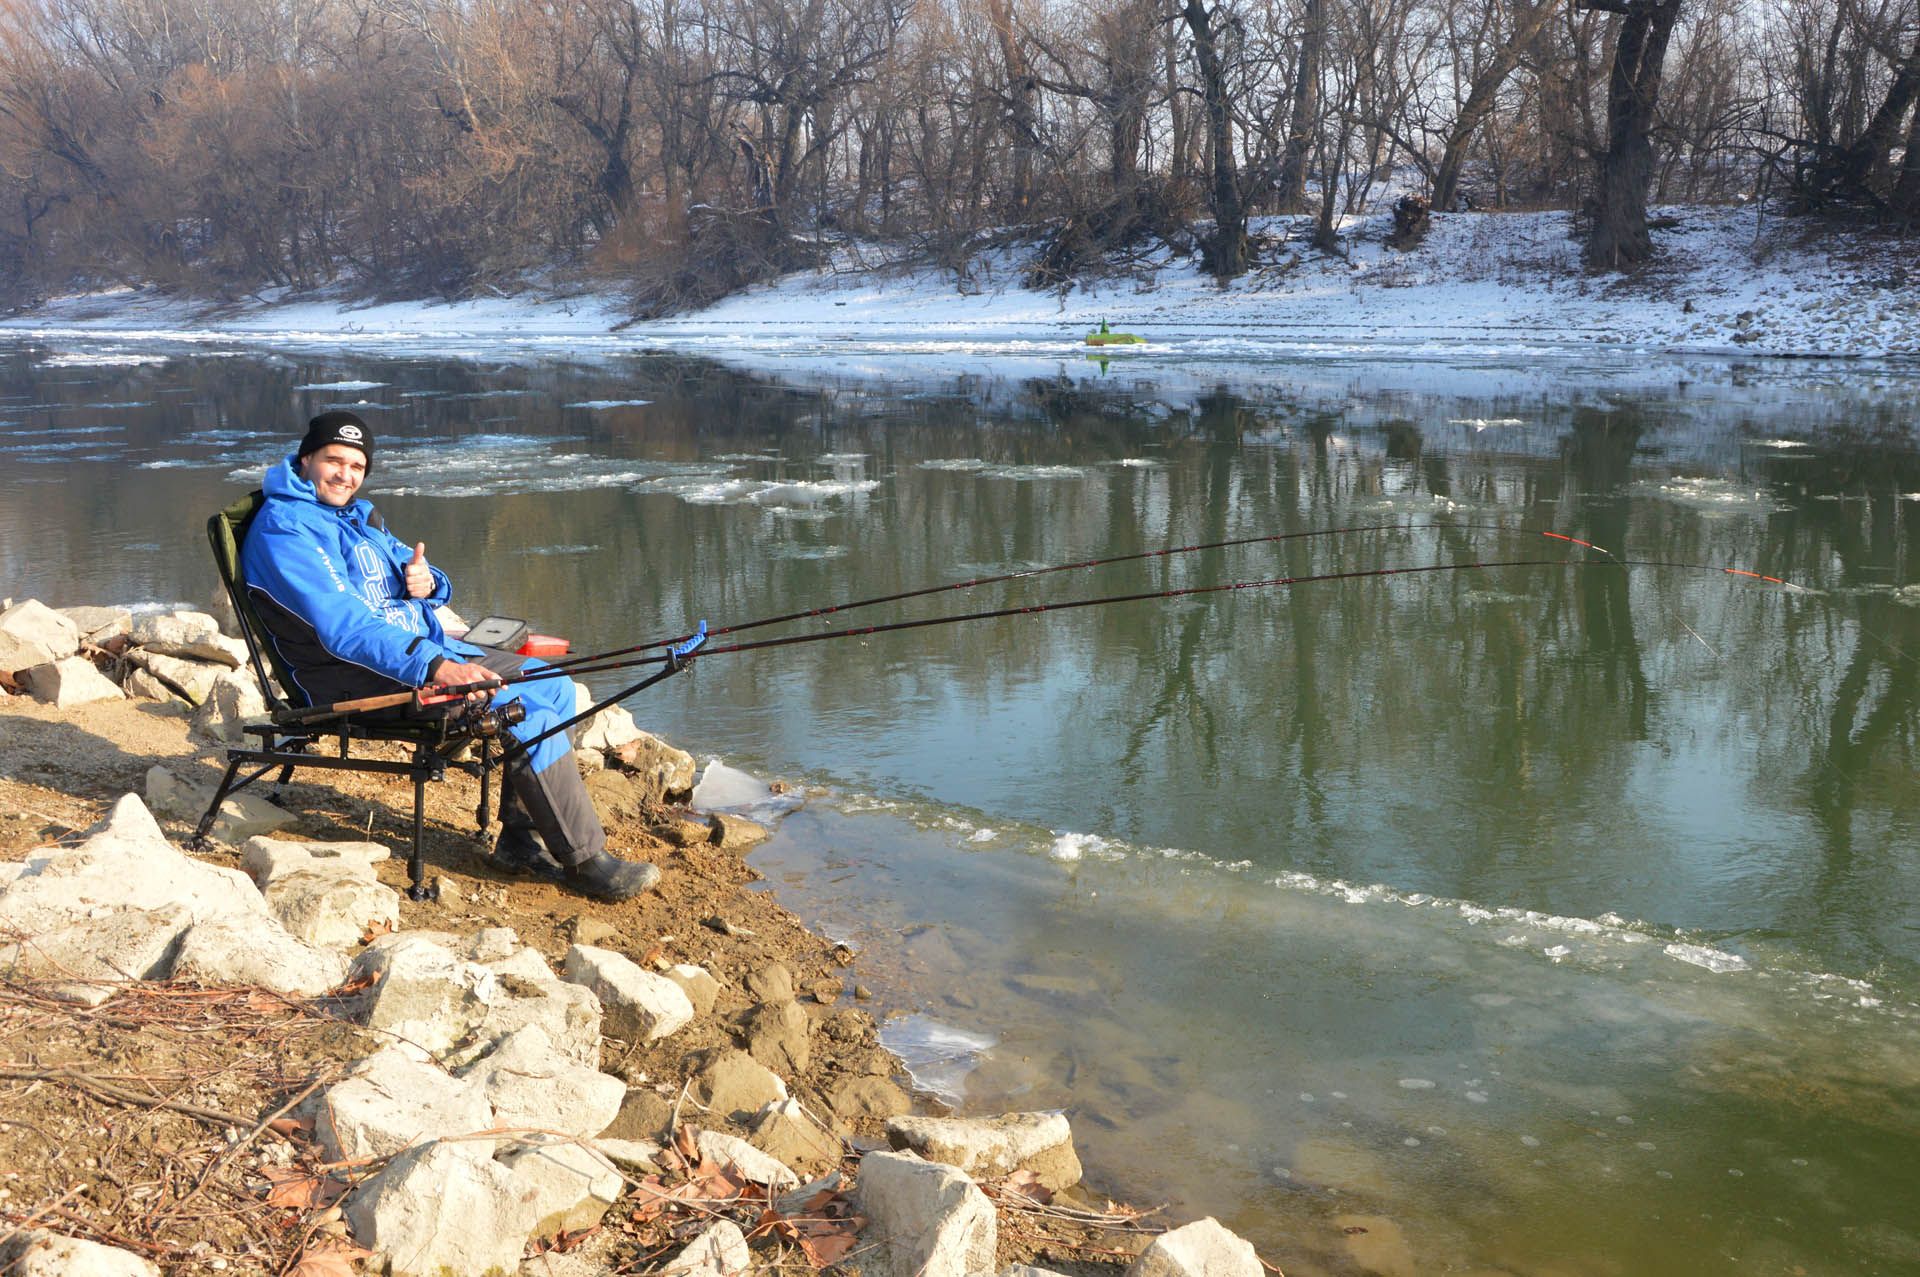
227,532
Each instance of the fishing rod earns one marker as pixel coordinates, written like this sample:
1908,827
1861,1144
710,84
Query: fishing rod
680,656
575,663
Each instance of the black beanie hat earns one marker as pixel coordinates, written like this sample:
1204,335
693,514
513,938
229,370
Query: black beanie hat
338,426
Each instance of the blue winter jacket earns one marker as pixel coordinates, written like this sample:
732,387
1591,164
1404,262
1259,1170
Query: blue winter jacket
329,583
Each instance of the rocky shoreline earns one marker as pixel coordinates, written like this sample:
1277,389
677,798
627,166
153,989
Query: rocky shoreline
508,1079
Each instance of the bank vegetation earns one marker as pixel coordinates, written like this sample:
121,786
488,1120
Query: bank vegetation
682,148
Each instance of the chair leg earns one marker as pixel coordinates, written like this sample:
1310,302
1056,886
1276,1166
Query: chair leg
417,888
198,842
484,816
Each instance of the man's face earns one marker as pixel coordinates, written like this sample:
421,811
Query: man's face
335,471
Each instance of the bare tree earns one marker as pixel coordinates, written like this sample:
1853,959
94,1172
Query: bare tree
1623,171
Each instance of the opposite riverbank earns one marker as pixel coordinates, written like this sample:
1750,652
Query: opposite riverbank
1728,281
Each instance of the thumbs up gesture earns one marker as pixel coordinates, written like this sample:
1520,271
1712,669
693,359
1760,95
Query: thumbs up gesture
419,575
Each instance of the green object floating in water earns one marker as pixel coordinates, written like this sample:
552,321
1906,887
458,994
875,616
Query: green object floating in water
1115,339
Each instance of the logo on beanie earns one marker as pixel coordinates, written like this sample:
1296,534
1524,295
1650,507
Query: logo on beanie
350,432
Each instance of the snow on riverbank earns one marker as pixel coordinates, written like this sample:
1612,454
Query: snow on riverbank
1727,281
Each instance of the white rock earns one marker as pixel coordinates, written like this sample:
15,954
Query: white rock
1203,1248
391,1101
608,730
637,1005
231,704
443,1208
1027,1270
697,983
36,1253
265,858
18,653
333,909
244,815
70,682
250,949
146,687
752,1164
572,1185
988,1148
639,1156
422,993
719,1251
530,1084
192,680
89,960
528,994
924,1218
98,624
193,635
35,622
124,863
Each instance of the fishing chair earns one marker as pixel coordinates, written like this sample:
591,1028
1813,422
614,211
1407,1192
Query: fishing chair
285,742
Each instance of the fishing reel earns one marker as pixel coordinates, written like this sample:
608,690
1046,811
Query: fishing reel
481,719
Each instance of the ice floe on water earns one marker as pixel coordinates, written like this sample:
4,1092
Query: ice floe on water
559,549
102,359
999,470
728,789
708,489
1714,960
1713,495
937,1056
1486,423
342,387
601,405
1072,846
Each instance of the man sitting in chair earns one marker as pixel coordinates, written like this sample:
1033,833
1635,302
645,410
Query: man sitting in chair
350,610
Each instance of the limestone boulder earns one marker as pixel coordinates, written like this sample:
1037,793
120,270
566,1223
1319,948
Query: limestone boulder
98,624
124,862
390,1101
264,859
19,654
530,1084
66,683
90,959
32,621
141,685
752,1164
332,910
662,772
192,681
989,1148
1204,1248
244,815
636,1157
923,1219
527,994
736,833
719,1251
444,1207
194,636
859,1098
572,1185
735,1085
771,983
780,1036
254,949
231,704
636,1004
784,1130
35,1252
421,992
608,730
697,983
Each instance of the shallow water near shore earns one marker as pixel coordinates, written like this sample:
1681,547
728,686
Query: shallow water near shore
1537,918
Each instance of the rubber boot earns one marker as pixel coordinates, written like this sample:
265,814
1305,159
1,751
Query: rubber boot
607,877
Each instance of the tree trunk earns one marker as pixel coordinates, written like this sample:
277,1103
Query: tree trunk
1906,191
1624,171
1481,99
1023,91
1225,254
1292,184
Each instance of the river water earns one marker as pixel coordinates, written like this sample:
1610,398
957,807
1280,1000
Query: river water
1553,918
